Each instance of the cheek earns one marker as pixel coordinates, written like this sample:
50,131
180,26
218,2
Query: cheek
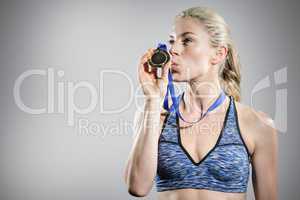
196,62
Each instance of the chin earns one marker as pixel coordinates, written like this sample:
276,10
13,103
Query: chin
177,77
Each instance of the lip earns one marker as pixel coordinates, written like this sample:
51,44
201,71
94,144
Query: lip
174,63
174,67
174,70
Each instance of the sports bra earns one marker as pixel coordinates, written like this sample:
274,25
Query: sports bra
224,168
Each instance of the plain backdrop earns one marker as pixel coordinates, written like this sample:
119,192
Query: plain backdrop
96,46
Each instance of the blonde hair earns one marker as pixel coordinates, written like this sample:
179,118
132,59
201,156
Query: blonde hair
219,32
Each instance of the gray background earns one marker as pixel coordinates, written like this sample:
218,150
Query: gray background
42,157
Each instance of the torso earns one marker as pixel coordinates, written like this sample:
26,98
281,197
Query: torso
198,146
194,194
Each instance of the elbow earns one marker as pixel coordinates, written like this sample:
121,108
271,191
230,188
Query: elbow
137,192
138,188
137,185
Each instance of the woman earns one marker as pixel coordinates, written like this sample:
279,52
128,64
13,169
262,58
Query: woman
191,157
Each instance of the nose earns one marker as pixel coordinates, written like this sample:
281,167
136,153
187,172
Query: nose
173,51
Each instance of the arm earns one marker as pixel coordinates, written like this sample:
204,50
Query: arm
264,160
142,162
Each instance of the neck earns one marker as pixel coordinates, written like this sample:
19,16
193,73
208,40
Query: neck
200,95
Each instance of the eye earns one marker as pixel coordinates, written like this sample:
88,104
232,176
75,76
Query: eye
171,41
186,40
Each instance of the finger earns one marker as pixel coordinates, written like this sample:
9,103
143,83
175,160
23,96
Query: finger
143,65
147,55
150,53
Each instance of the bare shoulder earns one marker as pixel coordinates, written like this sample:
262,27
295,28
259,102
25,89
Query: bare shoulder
257,117
255,125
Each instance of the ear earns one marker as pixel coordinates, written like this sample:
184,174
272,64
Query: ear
219,54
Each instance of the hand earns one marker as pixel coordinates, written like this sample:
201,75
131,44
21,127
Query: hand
153,87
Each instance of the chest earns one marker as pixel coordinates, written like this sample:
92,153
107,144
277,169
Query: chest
223,163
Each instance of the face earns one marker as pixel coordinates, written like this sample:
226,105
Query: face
191,51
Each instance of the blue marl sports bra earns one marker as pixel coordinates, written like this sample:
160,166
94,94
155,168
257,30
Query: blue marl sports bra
224,168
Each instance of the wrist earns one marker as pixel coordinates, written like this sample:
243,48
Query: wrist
152,103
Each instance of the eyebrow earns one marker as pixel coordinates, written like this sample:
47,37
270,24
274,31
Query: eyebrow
182,34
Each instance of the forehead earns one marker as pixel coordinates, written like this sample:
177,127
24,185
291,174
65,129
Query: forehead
187,24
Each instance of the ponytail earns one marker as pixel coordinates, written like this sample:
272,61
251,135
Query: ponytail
230,76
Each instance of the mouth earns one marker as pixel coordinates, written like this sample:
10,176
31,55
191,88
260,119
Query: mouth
174,66
173,63
174,69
